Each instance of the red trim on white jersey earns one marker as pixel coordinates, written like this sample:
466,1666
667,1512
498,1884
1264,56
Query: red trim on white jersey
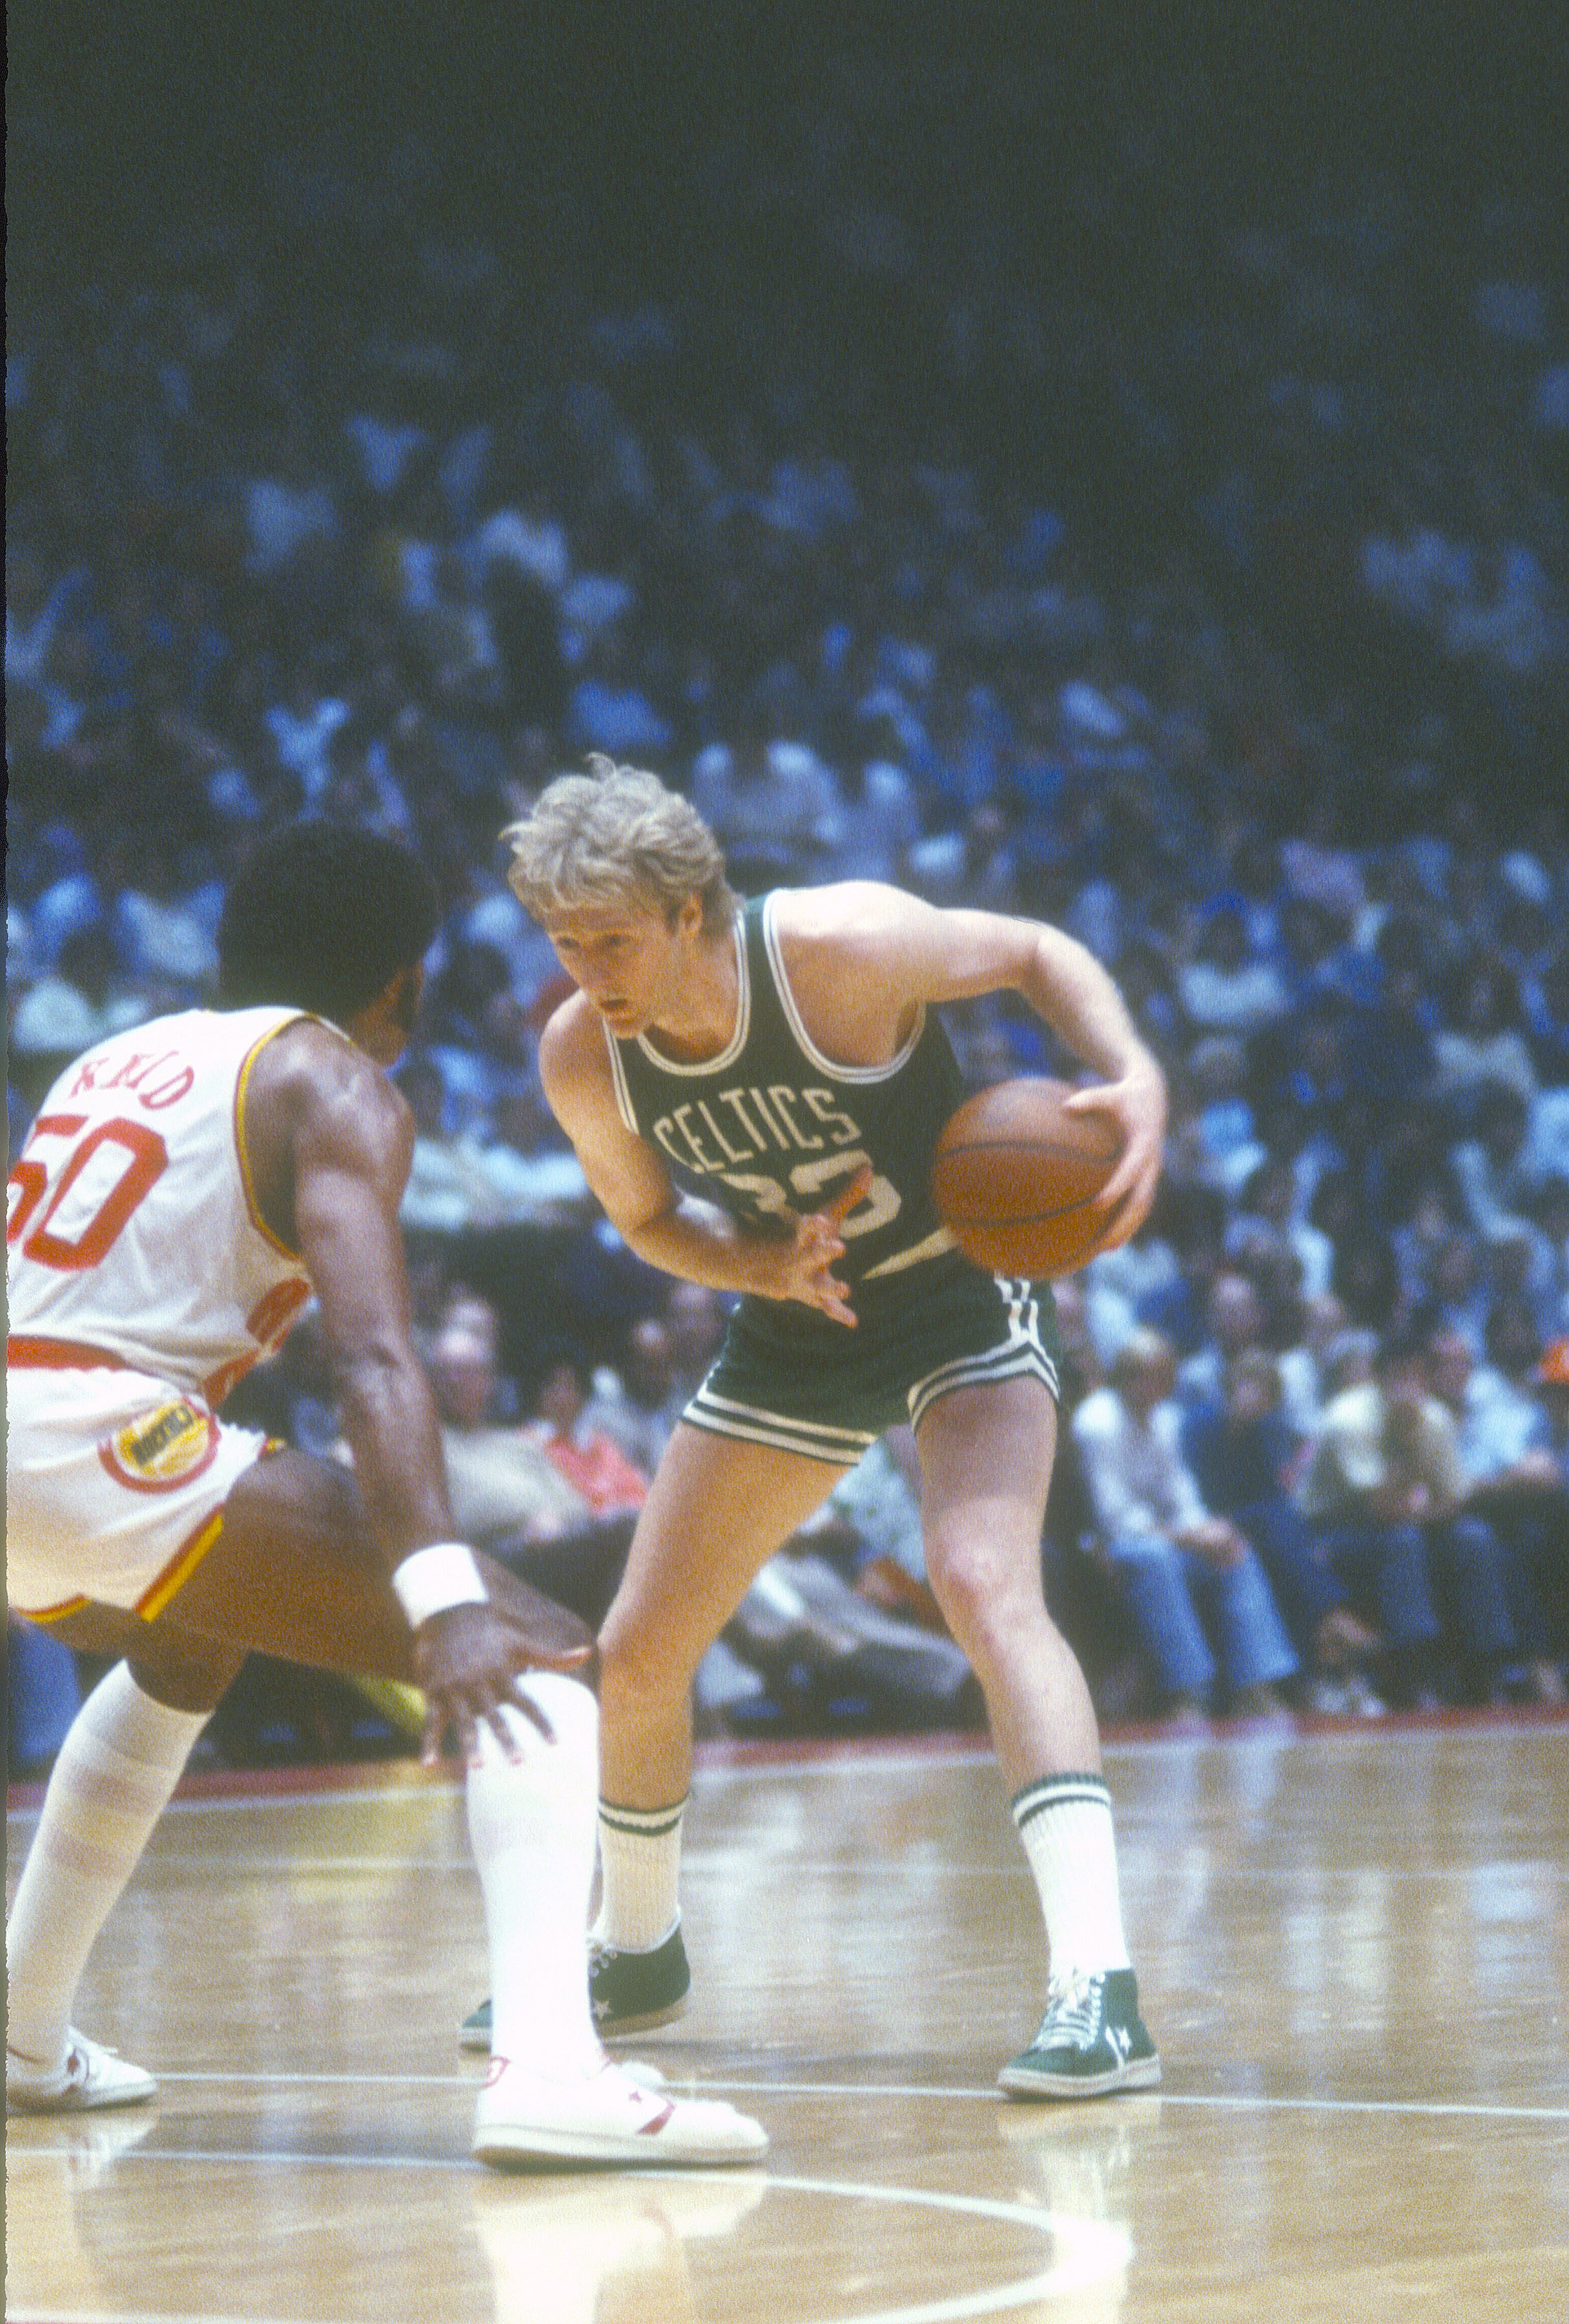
30,1352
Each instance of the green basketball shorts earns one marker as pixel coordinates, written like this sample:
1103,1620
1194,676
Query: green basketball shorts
790,1377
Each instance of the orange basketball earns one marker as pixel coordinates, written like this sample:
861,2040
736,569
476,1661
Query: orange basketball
1018,1181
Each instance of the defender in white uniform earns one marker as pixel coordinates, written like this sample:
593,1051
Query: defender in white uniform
185,1188
120,1349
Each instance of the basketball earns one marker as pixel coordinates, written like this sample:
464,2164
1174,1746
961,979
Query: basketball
1018,1181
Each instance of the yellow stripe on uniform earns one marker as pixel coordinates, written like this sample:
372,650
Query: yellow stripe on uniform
242,1148
43,1615
152,1603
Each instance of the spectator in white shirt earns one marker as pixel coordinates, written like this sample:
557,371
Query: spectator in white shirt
1186,1574
1224,991
1513,1480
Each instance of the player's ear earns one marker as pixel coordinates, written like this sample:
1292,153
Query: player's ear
385,1024
404,993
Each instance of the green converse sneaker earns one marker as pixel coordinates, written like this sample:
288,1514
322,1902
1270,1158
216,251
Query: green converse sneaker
1092,2040
632,1992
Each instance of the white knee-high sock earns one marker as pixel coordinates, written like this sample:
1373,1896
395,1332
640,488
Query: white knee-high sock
120,1761
1064,1822
531,1824
640,1860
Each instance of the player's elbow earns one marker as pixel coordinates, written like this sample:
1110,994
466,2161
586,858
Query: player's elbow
373,1378
641,1227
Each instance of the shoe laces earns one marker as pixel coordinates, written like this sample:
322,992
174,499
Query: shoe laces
1073,2010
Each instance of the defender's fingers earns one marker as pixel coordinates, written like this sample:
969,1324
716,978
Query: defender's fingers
467,1735
501,1732
530,1651
564,1659
529,1707
431,1733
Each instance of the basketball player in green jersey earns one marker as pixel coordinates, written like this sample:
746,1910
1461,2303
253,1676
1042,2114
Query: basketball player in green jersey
755,1094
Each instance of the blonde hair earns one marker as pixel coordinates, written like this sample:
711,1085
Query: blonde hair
616,835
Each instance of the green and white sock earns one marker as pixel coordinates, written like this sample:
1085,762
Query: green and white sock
1065,1824
639,1863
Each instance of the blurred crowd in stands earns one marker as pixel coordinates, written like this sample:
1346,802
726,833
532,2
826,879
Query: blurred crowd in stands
1193,577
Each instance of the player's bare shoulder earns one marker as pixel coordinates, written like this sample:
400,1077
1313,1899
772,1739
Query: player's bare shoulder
845,950
308,1065
312,1093
848,919
574,1061
883,946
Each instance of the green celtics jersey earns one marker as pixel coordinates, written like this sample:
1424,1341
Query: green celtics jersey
771,1128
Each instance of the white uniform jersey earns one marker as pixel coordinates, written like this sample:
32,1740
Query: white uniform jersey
132,1229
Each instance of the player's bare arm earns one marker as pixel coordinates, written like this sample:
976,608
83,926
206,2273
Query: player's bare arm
863,958
330,1142
669,1228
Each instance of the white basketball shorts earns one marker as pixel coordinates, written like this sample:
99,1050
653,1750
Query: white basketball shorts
115,1489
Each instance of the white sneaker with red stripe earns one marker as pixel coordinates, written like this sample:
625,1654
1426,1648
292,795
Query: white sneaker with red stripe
88,2077
613,2118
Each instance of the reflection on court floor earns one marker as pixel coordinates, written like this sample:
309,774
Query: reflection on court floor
1354,1948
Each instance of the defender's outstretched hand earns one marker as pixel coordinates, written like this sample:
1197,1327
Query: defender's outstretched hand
468,1657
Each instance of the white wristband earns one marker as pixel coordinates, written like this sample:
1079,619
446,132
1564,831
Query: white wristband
430,1580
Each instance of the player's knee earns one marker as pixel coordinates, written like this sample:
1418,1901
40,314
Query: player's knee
963,1577
978,1589
185,1673
635,1670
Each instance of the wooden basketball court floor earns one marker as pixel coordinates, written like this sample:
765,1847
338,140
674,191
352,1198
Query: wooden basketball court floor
1353,1946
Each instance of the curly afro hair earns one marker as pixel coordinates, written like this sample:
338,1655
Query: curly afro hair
321,918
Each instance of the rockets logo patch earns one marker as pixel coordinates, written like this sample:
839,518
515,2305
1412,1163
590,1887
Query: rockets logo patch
164,1448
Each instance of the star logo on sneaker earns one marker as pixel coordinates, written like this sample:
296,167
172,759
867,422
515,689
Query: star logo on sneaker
1121,2039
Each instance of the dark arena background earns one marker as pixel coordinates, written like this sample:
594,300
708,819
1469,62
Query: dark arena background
1110,466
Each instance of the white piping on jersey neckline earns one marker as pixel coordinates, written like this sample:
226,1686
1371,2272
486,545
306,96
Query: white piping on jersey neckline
738,1042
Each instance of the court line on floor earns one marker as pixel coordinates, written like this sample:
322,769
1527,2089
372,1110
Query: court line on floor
1090,2252
1236,2101
1243,2102
1096,2252
139,2316
700,1864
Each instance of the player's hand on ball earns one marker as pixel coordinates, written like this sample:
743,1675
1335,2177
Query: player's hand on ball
1136,1108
